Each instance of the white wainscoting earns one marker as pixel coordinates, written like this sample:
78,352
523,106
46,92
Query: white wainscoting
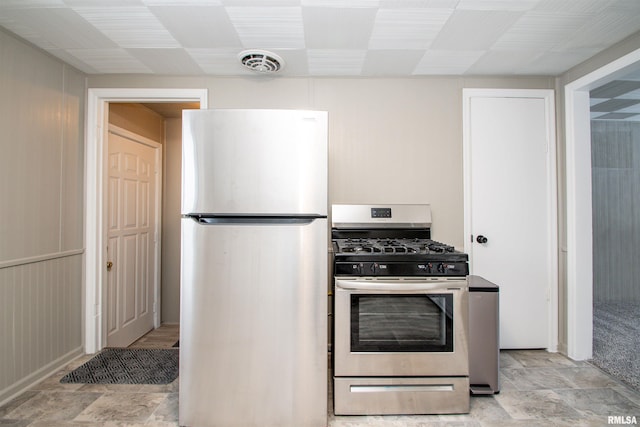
40,318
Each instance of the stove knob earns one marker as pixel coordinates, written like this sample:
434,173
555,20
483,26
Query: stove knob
374,268
442,268
357,269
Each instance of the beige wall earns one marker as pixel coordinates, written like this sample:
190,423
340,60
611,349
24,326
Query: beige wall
391,140
138,119
172,175
41,214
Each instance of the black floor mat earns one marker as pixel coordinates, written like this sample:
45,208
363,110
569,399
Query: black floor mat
127,366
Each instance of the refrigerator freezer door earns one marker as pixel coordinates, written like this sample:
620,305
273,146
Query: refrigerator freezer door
253,328
254,162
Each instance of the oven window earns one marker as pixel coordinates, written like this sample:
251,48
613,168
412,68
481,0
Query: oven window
402,323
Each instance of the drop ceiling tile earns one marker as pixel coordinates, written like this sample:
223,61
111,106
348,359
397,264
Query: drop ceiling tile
218,61
73,61
502,62
27,4
391,62
635,94
407,28
167,61
626,5
327,62
446,62
556,63
615,89
59,27
633,74
268,27
97,3
185,3
616,116
332,28
295,61
129,27
495,5
631,109
26,32
110,61
614,104
594,101
261,3
416,4
474,30
539,31
198,26
602,30
579,7
341,3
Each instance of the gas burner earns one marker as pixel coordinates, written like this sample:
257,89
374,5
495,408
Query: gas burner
440,247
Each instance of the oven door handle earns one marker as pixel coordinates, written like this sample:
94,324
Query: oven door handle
372,285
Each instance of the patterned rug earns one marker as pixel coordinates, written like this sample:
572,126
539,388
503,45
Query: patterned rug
127,366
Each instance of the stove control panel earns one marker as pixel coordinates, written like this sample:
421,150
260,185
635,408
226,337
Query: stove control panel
398,268
380,212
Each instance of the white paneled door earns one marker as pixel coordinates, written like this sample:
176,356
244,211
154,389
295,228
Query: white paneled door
131,234
510,208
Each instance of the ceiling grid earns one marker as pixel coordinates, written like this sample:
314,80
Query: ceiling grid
362,38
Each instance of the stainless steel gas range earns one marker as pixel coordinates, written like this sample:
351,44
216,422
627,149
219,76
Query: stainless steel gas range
400,313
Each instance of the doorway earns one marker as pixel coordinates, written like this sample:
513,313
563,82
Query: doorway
134,200
95,236
615,147
579,245
510,208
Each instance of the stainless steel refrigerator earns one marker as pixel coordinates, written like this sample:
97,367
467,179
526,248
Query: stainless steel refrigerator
253,320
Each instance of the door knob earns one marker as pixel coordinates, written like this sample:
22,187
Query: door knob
109,265
481,239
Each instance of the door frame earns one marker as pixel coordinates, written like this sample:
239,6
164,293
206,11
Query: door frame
98,100
579,248
552,184
157,221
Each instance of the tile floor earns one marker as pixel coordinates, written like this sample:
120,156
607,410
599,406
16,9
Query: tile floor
538,389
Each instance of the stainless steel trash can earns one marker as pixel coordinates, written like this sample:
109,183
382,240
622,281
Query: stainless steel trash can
484,339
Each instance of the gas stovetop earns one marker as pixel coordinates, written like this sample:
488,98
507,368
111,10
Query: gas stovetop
391,246
397,257
390,240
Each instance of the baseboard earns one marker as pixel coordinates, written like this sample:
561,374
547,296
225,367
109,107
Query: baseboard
16,389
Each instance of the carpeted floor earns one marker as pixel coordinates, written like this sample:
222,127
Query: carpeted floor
127,366
616,340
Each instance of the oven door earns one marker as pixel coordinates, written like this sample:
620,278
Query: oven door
401,327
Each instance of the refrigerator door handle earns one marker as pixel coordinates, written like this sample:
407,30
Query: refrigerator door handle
259,220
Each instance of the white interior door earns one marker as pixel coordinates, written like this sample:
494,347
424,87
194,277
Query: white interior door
131,220
510,209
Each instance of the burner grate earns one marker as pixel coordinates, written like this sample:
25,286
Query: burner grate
392,246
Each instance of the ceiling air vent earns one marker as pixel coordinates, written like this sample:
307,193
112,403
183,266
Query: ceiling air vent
261,61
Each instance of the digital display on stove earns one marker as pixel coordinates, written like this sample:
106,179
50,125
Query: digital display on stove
380,212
